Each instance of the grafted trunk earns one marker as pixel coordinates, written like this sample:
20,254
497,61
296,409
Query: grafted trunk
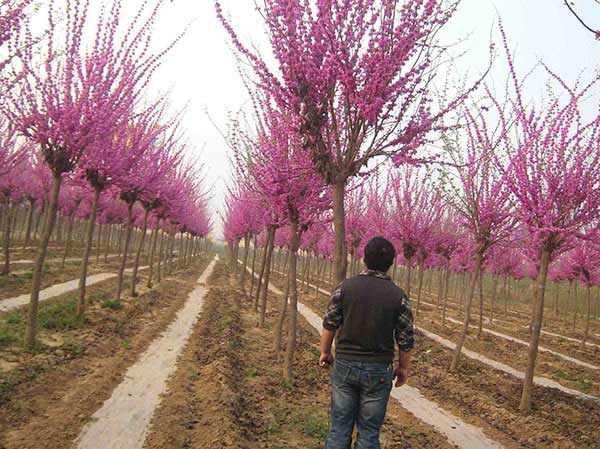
36,282
494,293
538,312
471,293
261,274
340,261
138,254
152,251
107,243
293,319
87,252
480,324
245,262
125,250
446,289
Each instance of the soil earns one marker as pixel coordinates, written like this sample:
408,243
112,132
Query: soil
47,399
229,392
490,399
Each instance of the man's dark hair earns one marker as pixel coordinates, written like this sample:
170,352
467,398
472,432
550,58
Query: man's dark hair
379,254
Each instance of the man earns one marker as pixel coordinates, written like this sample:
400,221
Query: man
368,312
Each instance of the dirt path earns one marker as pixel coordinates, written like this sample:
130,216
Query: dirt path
47,400
122,420
538,380
457,431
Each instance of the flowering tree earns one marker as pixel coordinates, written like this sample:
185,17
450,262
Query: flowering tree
357,78
554,174
69,104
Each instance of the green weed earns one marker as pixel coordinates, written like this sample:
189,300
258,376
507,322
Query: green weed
113,304
61,316
315,426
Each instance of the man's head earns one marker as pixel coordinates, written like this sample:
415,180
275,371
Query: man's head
379,254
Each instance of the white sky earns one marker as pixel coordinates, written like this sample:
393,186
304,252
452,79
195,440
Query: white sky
201,71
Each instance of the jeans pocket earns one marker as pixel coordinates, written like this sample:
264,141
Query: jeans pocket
339,373
381,380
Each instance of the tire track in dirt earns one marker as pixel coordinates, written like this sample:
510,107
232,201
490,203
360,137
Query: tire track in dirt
122,421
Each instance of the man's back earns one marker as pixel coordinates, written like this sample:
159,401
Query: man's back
371,305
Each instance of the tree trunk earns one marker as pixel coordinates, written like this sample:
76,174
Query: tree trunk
265,286
340,260
69,240
89,237
125,250
588,301
261,274
446,289
138,254
471,293
408,274
36,282
419,287
494,293
538,311
480,324
107,243
152,250
160,256
245,262
292,322
29,224
253,266
282,312
7,224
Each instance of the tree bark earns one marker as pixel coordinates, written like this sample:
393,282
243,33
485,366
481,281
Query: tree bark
265,286
125,251
7,225
29,224
30,336
253,266
69,240
538,311
261,274
245,262
138,254
292,322
340,260
152,250
588,301
467,318
89,238
282,312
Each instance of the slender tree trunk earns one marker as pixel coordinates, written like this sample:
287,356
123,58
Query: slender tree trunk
125,250
29,224
10,210
408,274
89,238
340,260
446,289
261,274
538,311
282,312
588,301
292,322
160,256
420,287
30,336
265,286
107,243
467,318
138,254
480,324
152,250
574,322
245,262
253,266
494,293
69,240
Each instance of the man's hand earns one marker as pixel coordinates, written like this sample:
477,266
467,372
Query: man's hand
401,376
326,360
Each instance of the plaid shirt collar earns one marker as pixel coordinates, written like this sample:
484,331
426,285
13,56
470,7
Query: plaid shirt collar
375,273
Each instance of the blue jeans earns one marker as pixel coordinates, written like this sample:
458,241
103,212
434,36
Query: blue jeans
359,394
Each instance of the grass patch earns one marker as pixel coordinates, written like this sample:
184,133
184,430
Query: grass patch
61,316
564,375
125,344
315,426
252,372
112,304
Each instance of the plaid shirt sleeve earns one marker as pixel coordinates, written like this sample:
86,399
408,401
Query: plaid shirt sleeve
333,316
404,332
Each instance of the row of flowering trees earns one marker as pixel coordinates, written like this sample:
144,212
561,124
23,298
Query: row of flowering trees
80,138
510,174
